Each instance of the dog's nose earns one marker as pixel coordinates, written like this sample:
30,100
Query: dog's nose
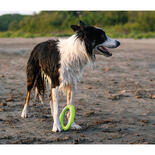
117,43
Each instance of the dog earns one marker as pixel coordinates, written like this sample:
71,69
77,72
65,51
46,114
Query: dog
61,63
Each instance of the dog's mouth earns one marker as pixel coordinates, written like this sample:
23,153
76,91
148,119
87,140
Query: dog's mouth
105,51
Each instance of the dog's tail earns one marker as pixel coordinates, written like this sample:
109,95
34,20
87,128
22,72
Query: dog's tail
34,75
40,83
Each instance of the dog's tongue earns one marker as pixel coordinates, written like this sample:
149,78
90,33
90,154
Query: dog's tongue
106,49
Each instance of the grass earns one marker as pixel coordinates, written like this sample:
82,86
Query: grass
19,34
128,31
113,32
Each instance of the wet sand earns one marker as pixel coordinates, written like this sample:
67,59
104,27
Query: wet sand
115,103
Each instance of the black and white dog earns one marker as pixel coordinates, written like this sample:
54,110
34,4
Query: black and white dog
61,63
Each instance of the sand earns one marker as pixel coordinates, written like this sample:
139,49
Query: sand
115,102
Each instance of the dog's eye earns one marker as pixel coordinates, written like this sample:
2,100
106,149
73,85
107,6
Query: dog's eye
93,43
103,35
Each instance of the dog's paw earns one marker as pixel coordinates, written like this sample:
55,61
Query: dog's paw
57,127
24,114
75,126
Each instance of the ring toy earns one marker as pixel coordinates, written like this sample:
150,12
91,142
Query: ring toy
71,117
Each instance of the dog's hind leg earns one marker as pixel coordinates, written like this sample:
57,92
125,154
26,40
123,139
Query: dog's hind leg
56,124
31,76
30,82
36,93
39,95
70,100
25,111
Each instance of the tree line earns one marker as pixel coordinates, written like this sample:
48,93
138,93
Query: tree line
59,21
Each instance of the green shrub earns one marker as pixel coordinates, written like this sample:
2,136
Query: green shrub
117,24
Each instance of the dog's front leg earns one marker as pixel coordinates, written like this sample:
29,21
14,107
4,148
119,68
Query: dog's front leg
70,100
56,124
51,104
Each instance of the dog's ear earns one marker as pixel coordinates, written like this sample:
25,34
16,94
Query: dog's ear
82,25
75,28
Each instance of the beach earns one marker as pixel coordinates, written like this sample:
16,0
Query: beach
115,101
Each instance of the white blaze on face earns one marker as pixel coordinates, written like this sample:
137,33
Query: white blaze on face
110,43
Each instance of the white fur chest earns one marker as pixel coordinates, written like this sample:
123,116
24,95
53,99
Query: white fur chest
73,59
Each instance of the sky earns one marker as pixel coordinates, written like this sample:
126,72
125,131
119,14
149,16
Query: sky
29,6
19,12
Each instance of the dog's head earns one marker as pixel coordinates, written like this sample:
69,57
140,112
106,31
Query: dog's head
96,40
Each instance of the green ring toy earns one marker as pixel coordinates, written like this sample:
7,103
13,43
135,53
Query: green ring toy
71,117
